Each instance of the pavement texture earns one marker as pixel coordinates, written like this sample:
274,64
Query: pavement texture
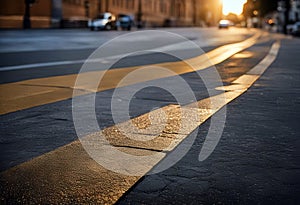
44,128
257,159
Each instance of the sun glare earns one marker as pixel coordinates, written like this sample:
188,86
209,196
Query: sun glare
233,6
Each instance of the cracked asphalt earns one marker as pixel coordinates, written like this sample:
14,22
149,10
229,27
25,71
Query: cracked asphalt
257,158
255,162
23,141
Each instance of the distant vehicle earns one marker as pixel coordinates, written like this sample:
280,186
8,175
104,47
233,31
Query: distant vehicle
125,22
104,21
294,29
224,24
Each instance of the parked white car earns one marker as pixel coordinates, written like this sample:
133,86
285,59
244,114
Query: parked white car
104,21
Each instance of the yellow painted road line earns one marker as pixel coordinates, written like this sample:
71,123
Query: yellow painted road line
30,93
69,175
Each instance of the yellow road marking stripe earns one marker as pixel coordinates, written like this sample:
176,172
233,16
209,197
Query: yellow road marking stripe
69,175
30,93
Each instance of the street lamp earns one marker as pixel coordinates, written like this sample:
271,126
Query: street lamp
194,13
107,6
139,14
26,19
87,6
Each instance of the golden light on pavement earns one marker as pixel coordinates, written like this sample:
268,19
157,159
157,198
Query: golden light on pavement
233,6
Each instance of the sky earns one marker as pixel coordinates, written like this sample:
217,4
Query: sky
233,6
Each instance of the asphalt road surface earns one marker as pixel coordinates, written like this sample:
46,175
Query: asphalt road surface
245,91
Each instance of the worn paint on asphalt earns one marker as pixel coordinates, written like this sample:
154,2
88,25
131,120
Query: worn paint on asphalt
30,93
69,175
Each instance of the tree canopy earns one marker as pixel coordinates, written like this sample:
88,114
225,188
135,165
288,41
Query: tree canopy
262,7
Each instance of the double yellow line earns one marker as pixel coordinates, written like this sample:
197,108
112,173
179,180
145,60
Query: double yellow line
30,93
69,175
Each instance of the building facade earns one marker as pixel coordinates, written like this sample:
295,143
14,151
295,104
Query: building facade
47,13
75,13
12,13
153,12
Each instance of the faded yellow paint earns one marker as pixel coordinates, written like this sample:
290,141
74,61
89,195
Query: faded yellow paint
69,175
30,93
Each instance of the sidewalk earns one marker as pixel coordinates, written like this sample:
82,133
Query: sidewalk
257,159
